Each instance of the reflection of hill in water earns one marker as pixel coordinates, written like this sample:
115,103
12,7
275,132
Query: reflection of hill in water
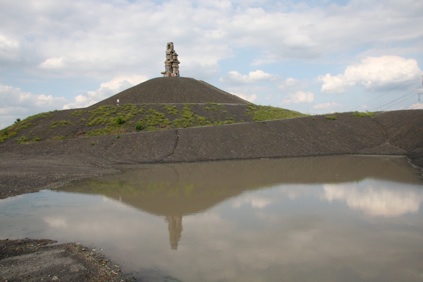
175,190
187,188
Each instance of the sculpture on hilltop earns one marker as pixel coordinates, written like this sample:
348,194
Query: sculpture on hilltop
171,63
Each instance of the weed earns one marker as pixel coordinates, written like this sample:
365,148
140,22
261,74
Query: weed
119,120
330,117
60,123
171,110
59,137
155,119
215,107
23,140
364,114
262,113
105,131
140,125
76,113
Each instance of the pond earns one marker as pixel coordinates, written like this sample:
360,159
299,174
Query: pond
348,218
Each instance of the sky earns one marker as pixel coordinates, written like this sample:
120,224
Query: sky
311,56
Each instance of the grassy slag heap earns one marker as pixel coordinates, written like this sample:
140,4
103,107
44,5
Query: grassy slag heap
104,120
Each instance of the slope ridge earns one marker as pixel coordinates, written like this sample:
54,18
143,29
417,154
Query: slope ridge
171,90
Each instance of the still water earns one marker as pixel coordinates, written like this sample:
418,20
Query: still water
304,219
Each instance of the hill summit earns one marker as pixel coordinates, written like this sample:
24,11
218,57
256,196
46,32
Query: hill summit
172,90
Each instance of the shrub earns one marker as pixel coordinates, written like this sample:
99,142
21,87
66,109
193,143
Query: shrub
330,117
140,125
119,120
23,140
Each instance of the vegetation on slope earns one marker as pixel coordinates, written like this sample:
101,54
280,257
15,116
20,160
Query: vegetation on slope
103,120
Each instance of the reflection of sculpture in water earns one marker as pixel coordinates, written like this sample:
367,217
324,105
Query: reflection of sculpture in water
171,62
175,230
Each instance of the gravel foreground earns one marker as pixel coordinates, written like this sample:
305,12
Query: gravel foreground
50,164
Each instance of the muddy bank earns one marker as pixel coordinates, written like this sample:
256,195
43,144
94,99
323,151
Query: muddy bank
43,260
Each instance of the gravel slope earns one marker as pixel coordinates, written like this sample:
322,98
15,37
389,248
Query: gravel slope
30,167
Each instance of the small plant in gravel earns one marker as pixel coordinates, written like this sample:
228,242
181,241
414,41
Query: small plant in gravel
203,121
106,131
187,118
60,123
262,113
171,109
364,114
59,137
76,113
119,120
215,107
155,119
141,109
23,140
330,117
140,125
7,133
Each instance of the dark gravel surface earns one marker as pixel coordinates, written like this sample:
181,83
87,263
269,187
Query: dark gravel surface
172,90
31,167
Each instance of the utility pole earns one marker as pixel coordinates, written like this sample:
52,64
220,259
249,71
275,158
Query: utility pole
421,91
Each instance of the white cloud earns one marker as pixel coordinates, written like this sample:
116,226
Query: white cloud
252,76
417,106
53,63
299,97
373,73
9,48
249,97
105,90
16,103
290,83
375,201
326,106
257,202
51,39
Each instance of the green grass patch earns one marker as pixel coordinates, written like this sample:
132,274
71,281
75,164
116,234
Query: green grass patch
154,119
106,131
171,109
364,114
215,107
59,137
187,118
23,140
262,113
330,117
77,113
60,123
